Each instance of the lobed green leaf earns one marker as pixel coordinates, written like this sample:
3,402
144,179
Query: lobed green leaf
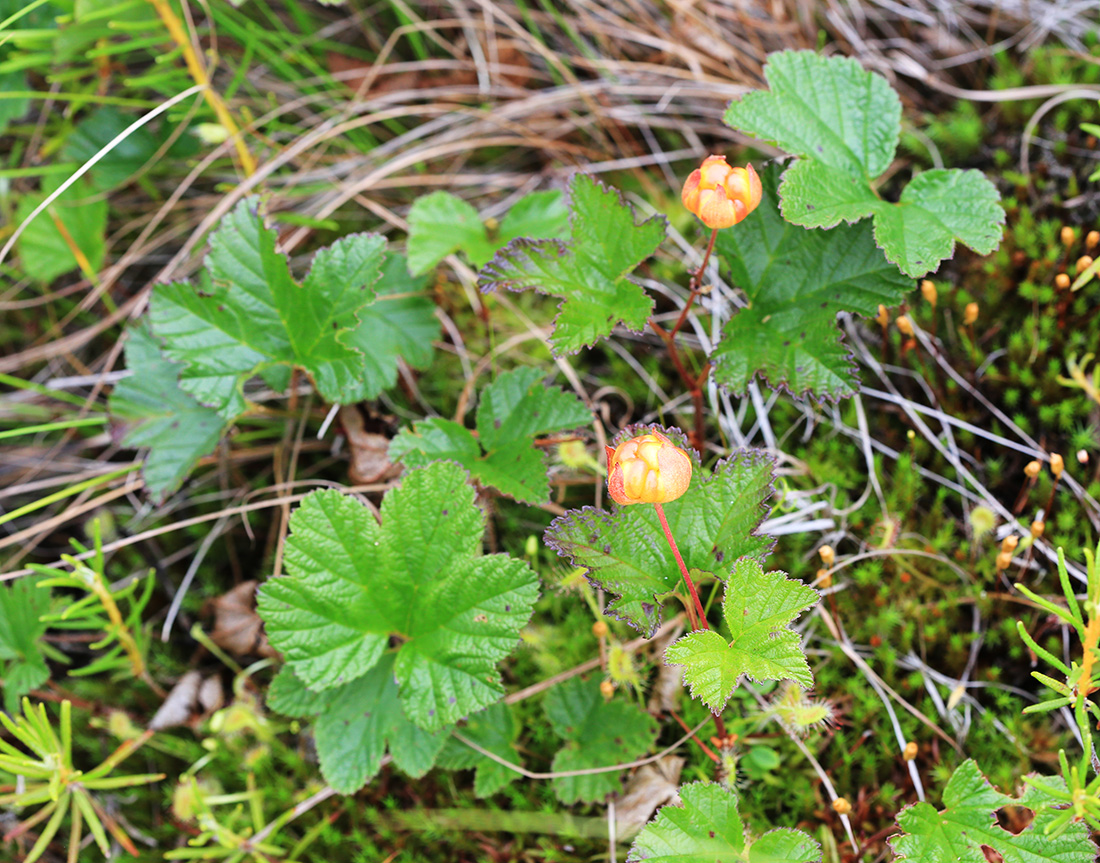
353,586
969,821
757,609
796,281
707,827
514,409
597,733
843,124
590,271
176,428
625,552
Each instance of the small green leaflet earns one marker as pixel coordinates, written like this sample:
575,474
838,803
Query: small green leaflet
590,271
796,280
495,730
844,123
176,428
969,821
24,667
441,223
253,317
352,586
707,827
597,733
44,252
625,550
354,723
513,410
758,608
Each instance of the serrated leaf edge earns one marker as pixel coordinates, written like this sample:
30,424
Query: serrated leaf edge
521,244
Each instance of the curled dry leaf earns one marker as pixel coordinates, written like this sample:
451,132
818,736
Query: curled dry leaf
191,700
368,447
651,786
668,684
237,627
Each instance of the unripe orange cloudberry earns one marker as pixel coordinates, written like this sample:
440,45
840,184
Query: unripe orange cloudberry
719,195
647,469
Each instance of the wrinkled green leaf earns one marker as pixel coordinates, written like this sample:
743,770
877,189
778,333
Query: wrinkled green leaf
254,318
597,733
44,252
758,608
513,410
828,109
625,550
707,827
969,821
590,271
176,428
495,730
843,123
796,281
354,723
352,586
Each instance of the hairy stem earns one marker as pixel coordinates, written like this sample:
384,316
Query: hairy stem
702,618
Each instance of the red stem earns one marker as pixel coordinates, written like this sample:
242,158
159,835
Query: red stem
693,285
683,569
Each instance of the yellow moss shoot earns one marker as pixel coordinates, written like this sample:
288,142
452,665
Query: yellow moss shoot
841,806
928,291
1061,281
